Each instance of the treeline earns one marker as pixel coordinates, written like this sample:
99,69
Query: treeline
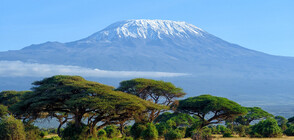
137,109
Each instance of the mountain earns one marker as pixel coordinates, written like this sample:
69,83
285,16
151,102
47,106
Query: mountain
214,66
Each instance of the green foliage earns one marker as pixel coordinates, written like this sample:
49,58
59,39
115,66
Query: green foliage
202,134
176,134
282,122
291,120
192,129
266,128
71,132
227,133
221,108
123,138
60,96
11,129
161,129
32,132
180,119
101,133
289,131
242,130
150,133
9,98
43,134
127,138
137,130
160,92
53,138
111,131
254,113
127,130
3,110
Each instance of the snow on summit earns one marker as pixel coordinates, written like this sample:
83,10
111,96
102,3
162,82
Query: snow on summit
148,29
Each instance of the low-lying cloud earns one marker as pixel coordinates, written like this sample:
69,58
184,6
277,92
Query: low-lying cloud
21,69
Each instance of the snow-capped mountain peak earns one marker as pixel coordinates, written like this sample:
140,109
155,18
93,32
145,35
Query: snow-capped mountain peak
147,29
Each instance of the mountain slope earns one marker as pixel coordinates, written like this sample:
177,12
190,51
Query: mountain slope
156,45
215,66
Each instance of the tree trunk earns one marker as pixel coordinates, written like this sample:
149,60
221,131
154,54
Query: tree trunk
121,128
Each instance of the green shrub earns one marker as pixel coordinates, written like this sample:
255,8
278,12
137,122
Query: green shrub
111,131
289,131
137,130
127,138
266,128
202,134
174,135
191,130
150,133
227,133
53,138
11,129
32,132
221,129
127,130
101,133
3,110
123,138
43,134
241,130
161,128
72,133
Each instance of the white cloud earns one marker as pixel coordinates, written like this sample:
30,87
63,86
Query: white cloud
21,69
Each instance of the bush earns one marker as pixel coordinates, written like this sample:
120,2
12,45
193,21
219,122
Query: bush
123,138
191,130
101,133
150,133
32,132
174,135
137,130
11,129
127,131
204,134
241,130
53,138
72,133
289,131
266,128
111,131
3,110
221,129
161,128
227,133
127,138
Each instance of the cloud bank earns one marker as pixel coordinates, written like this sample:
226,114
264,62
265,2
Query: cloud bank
21,69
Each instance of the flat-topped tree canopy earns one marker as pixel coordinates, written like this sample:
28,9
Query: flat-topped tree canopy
157,91
211,109
99,103
253,113
10,97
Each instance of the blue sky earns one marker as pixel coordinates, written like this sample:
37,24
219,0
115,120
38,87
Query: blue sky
263,25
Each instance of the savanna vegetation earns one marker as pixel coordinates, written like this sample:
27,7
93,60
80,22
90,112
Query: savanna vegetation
138,109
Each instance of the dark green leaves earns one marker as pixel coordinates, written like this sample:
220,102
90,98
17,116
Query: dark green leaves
211,109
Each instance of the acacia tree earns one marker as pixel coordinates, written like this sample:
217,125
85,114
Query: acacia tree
254,113
159,92
211,109
63,96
